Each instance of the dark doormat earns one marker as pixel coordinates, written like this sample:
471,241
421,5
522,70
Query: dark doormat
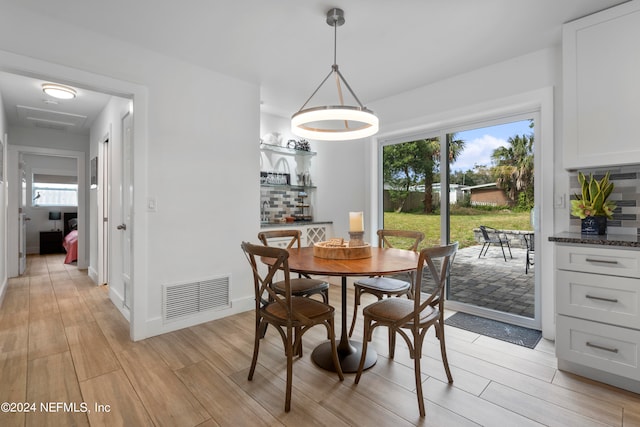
492,328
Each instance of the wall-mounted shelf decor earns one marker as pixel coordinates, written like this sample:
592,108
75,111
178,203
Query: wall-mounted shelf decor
285,150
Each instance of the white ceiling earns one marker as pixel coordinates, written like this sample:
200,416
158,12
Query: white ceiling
285,46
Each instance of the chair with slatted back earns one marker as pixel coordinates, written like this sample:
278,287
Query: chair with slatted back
411,318
303,285
291,315
384,286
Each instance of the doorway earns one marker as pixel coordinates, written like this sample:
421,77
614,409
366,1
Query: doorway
439,182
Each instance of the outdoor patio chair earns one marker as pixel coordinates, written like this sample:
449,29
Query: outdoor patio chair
491,235
529,260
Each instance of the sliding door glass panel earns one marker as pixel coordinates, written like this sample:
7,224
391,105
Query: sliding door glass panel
491,187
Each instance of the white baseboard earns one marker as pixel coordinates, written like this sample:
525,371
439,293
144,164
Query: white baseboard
118,301
156,326
93,274
3,290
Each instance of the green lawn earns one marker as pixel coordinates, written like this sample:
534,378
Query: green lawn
462,225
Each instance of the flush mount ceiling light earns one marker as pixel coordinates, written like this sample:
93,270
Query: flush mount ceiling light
334,122
59,91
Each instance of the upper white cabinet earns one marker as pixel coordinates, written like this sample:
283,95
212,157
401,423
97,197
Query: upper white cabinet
601,79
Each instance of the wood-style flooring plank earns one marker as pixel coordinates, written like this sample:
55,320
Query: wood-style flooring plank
74,311
115,329
92,355
124,407
472,407
13,380
46,337
269,391
176,349
53,379
168,401
540,410
221,396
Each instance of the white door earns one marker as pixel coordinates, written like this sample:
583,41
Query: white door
127,206
22,257
104,192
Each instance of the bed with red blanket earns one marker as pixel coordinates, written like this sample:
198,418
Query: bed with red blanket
70,245
70,241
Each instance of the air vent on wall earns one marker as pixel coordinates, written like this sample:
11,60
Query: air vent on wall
183,300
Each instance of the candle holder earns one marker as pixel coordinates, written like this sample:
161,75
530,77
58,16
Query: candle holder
356,238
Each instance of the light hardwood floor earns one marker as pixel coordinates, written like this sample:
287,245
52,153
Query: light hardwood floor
61,340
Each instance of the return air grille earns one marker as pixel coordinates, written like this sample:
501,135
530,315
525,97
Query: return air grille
183,300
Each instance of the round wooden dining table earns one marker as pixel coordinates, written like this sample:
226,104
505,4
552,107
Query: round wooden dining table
382,262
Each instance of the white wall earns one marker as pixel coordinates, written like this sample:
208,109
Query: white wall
195,152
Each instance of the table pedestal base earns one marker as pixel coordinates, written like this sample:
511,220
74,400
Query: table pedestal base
349,358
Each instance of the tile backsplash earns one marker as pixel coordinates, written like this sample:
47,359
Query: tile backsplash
626,194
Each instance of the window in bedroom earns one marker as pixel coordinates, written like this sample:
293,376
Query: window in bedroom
54,190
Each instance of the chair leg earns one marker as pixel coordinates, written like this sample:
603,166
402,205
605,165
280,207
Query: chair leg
443,349
256,348
417,342
298,341
509,247
289,351
365,342
392,343
505,257
356,303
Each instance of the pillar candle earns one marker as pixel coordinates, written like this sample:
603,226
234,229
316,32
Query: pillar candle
356,221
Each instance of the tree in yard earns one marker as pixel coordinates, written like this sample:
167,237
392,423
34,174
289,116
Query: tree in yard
513,169
409,164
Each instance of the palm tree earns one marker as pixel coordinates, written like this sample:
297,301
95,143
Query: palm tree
414,162
513,168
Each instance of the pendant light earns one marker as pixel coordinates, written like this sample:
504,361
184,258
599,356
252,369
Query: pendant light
334,122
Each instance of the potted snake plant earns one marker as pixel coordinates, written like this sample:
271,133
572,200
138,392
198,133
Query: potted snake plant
592,206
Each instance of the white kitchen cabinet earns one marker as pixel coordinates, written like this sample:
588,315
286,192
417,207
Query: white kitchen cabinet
598,313
601,65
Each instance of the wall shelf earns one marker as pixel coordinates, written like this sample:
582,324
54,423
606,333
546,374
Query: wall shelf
289,187
285,150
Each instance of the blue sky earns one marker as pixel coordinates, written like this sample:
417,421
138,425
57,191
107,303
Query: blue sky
481,142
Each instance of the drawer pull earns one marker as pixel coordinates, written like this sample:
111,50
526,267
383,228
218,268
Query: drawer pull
602,261
601,298
599,347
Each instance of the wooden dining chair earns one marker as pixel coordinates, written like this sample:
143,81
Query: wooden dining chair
291,315
385,286
411,318
303,285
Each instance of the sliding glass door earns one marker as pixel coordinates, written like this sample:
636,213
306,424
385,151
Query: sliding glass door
473,184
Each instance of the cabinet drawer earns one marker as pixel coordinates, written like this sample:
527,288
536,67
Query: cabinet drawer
616,262
607,348
609,299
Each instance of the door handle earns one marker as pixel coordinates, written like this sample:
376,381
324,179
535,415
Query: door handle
122,227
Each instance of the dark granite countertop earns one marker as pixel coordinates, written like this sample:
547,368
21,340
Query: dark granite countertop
292,224
621,240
